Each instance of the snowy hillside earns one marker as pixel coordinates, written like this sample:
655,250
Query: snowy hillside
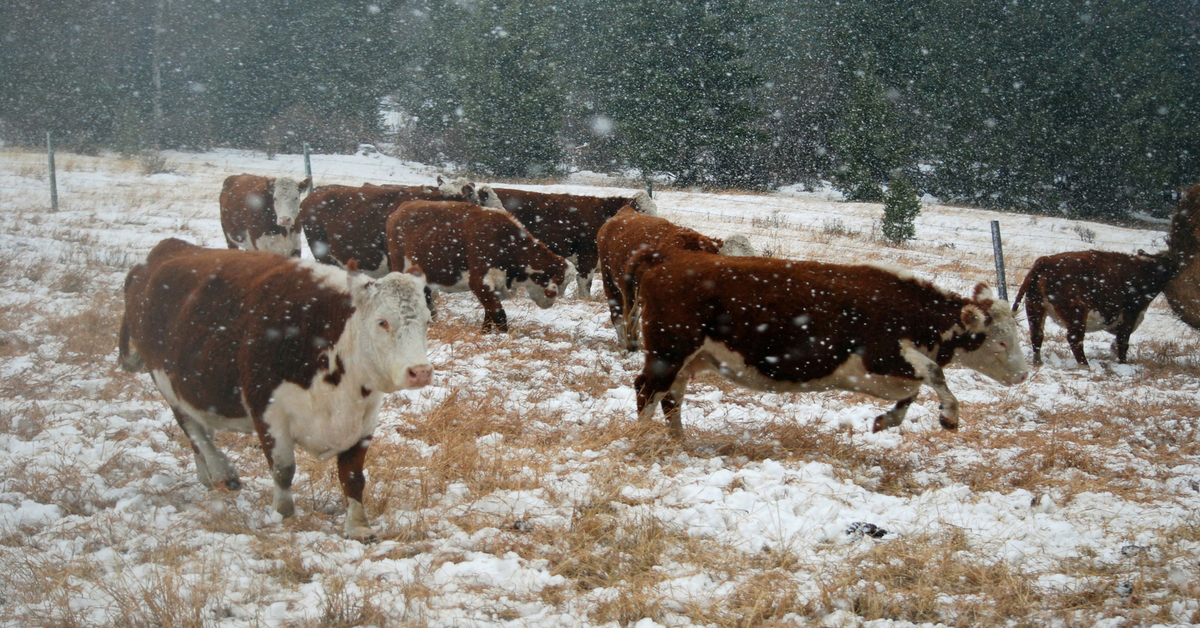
517,490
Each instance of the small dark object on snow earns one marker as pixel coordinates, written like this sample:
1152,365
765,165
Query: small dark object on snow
1124,589
522,526
1130,550
866,529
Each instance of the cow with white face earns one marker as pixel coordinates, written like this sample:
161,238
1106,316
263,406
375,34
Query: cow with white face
259,213
298,352
462,246
793,326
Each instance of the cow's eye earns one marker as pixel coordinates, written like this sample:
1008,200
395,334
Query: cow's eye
384,325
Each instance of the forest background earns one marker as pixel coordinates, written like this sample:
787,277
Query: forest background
1088,109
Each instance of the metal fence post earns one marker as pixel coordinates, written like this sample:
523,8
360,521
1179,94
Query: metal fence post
998,251
53,180
307,166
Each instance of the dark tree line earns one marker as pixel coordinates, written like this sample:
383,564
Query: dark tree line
1087,107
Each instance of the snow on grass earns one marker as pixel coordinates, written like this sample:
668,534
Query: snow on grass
519,490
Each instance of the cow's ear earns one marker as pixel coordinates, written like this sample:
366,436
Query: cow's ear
468,190
974,320
983,292
305,184
441,181
352,266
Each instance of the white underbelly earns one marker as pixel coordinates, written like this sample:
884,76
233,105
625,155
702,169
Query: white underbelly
852,375
208,419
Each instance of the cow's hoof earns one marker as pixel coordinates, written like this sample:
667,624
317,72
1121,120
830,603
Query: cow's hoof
949,424
366,536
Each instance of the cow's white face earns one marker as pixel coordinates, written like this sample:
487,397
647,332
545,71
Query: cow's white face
1000,356
390,326
287,200
544,288
488,198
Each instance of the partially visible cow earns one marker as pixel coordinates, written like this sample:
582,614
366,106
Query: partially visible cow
627,243
1087,291
1183,292
344,223
791,326
462,246
259,213
298,352
569,223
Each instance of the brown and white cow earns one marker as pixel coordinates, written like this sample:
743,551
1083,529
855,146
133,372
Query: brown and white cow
625,242
792,326
298,352
462,246
344,223
1087,291
259,213
569,223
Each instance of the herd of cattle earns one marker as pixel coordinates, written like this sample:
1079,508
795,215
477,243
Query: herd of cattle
302,351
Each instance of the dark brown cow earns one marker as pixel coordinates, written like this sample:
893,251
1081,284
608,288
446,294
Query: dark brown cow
1088,291
789,326
299,352
569,223
462,246
344,223
623,243
259,213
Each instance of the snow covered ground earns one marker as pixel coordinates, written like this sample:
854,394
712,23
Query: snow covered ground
518,491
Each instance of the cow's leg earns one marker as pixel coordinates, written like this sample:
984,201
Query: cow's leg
212,466
350,474
281,457
893,417
1076,327
1035,311
583,284
931,374
622,321
585,268
1123,332
494,317
672,403
661,377
429,303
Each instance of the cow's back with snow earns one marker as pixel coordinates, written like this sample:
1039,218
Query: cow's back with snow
569,223
259,213
297,352
343,223
1087,291
793,326
462,246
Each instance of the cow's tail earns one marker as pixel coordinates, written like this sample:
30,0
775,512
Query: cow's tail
642,260
130,359
1030,280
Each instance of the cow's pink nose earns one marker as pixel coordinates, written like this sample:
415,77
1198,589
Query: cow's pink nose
551,292
285,221
419,376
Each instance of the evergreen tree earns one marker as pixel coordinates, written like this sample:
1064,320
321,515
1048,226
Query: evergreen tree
900,210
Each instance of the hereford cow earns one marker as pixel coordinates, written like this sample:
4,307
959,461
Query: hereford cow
790,326
462,246
624,242
343,222
1088,291
298,352
259,213
569,223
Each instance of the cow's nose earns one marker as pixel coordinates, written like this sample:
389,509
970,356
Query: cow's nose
551,292
1024,375
418,376
285,221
